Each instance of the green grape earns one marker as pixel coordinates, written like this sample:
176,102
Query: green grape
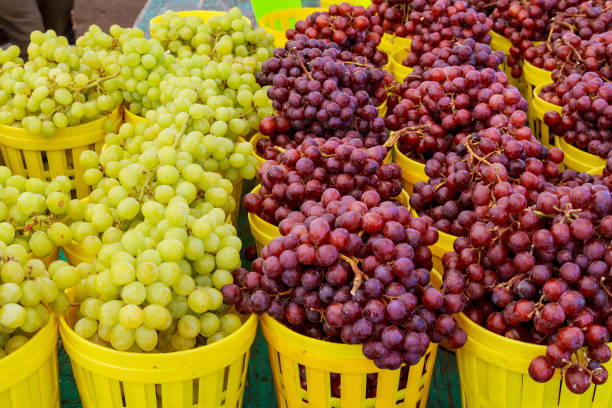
230,323
12,315
122,273
40,244
209,324
134,293
121,338
216,298
146,338
188,326
60,234
198,301
180,343
130,316
86,327
14,343
158,294
221,278
66,277
155,316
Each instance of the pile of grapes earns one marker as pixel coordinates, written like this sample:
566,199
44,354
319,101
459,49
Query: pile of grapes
60,85
31,229
356,271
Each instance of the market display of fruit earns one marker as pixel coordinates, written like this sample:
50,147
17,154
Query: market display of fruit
60,85
351,262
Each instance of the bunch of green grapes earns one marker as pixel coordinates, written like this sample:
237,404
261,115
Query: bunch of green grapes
29,292
35,213
221,35
143,65
31,227
61,85
163,247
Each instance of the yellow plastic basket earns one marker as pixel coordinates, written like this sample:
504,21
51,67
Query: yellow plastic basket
444,245
47,260
365,3
539,107
37,156
278,22
132,118
256,138
76,255
494,373
203,14
262,230
237,196
289,351
577,159
398,70
389,43
28,376
501,43
597,170
412,170
534,76
210,376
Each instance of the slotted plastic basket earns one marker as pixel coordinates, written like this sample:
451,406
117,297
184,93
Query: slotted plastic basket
205,15
211,376
538,108
389,43
29,375
493,371
303,366
501,43
277,22
534,76
326,3
45,158
577,159
412,170
397,68
132,118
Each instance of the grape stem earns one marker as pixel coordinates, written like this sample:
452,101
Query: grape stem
9,67
176,142
98,81
359,275
394,137
299,60
477,157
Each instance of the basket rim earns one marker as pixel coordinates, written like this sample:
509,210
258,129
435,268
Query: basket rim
157,367
18,365
197,13
66,138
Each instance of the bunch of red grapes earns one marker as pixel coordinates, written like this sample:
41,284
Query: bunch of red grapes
583,18
320,91
541,275
523,22
300,178
585,120
446,23
492,175
397,16
450,103
569,54
462,52
351,28
355,271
